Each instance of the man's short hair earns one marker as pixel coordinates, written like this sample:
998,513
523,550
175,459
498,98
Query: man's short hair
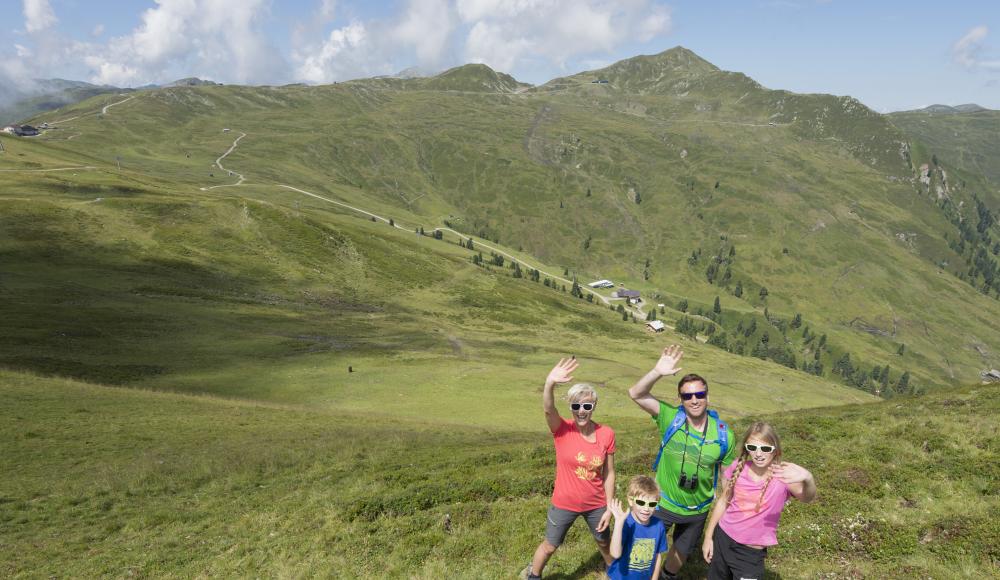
691,378
643,485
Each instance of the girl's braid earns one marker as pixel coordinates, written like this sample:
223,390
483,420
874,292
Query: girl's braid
767,482
730,491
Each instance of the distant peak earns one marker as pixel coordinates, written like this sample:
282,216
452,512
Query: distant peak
475,77
190,82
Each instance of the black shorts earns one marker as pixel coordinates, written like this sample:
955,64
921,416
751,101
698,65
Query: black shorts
732,560
687,529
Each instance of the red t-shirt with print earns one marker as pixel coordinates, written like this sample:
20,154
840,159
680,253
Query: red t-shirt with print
580,467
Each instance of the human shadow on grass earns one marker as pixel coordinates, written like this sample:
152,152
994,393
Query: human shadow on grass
697,569
694,569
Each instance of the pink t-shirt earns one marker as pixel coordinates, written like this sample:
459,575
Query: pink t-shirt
580,467
742,521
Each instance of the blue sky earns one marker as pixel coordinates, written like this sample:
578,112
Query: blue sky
892,55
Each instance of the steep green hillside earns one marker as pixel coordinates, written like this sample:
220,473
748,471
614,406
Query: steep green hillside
966,139
674,177
103,481
265,293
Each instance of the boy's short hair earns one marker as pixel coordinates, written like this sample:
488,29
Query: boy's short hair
643,485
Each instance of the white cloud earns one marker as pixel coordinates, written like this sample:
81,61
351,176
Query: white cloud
337,57
97,31
967,51
217,39
505,33
427,27
421,35
38,15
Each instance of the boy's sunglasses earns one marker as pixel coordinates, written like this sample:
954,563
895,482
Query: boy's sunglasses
763,448
698,395
586,406
644,503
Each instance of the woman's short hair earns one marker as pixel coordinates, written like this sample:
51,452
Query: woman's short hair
581,390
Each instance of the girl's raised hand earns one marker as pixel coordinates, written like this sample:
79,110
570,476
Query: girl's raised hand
562,372
791,473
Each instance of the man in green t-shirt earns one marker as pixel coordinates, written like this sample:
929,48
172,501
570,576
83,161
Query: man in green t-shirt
690,460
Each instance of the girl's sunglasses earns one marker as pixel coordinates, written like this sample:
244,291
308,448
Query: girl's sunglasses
586,406
763,448
644,503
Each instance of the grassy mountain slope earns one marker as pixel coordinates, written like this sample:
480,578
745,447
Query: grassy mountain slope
107,481
671,160
968,140
267,294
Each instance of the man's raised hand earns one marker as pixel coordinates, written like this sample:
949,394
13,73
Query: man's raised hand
562,372
667,365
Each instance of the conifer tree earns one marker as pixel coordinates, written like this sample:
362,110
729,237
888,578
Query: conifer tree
717,307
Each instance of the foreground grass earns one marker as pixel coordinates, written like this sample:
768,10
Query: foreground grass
103,481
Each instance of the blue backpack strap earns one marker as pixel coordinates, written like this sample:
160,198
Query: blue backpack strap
679,419
723,434
723,440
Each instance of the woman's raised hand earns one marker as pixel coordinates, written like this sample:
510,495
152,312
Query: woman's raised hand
667,365
562,372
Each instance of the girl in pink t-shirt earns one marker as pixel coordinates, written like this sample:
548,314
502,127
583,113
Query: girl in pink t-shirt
744,519
585,468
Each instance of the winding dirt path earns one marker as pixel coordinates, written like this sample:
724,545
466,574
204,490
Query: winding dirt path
218,162
104,111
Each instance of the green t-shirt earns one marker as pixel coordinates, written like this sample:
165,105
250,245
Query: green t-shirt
668,472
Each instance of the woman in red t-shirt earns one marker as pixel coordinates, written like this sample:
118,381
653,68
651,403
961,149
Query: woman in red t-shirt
585,469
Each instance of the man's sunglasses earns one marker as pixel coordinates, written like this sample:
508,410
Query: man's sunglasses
698,395
586,406
644,503
763,448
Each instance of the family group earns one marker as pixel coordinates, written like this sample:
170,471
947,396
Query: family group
707,486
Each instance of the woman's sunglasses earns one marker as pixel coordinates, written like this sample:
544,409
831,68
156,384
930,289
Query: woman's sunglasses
763,448
698,395
644,503
586,406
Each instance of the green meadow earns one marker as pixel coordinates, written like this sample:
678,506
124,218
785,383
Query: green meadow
205,379
107,481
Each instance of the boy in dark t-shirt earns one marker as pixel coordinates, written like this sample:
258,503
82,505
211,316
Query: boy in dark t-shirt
639,540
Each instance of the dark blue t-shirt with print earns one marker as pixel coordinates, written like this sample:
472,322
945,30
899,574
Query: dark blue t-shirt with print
640,546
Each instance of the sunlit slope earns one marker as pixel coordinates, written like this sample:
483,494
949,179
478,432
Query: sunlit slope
968,140
282,297
103,480
815,192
